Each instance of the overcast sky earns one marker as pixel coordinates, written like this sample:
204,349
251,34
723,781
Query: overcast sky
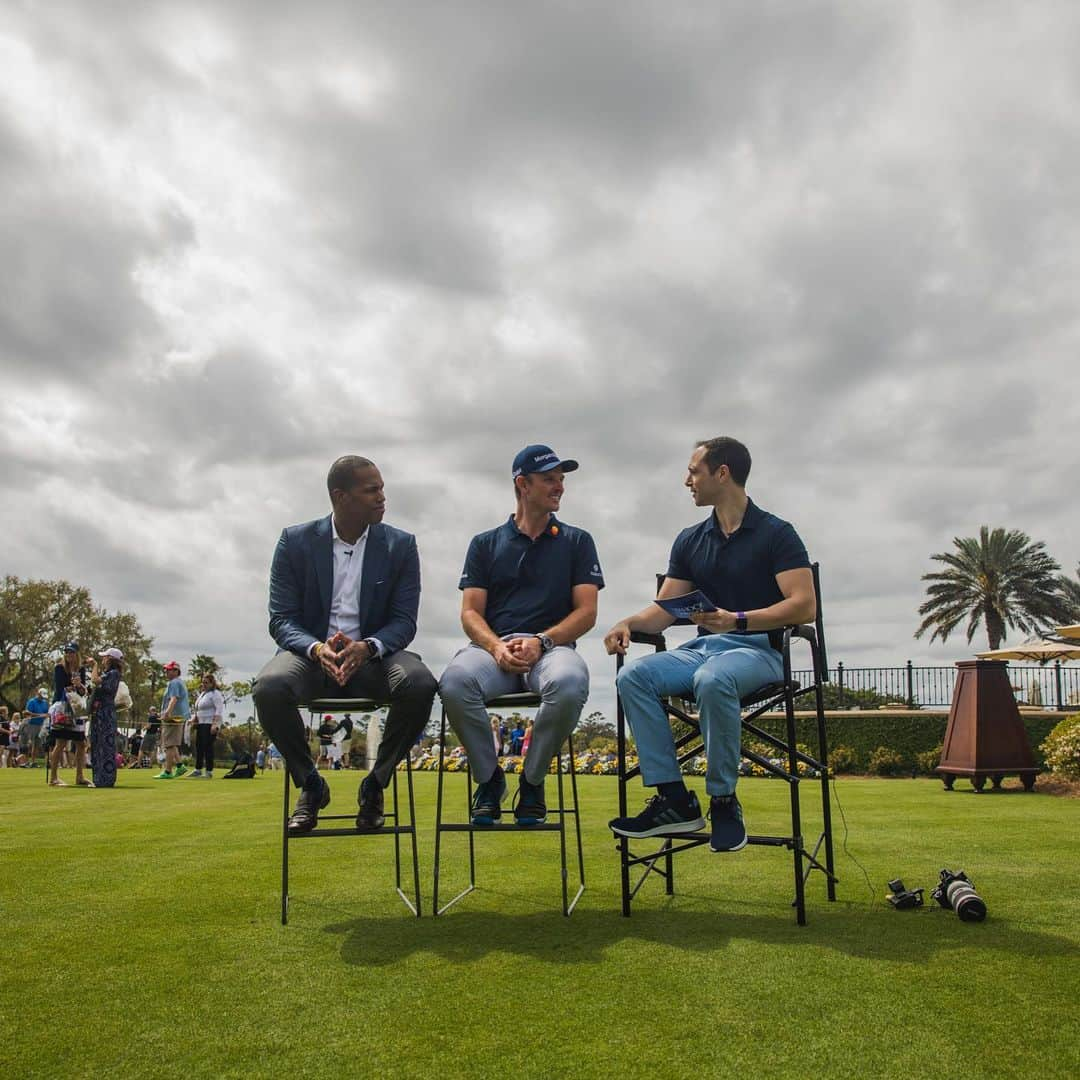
240,239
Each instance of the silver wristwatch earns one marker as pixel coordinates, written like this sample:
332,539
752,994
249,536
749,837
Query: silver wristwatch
546,644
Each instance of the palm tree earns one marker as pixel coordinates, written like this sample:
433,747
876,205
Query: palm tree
1002,579
1070,590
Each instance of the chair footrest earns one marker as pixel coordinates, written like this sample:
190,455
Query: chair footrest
502,826
700,837
771,841
354,831
347,817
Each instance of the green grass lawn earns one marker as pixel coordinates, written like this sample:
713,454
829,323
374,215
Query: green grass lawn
142,938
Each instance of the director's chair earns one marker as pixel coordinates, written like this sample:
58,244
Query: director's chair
689,744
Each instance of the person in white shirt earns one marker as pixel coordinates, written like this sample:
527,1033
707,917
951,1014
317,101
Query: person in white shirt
209,712
344,594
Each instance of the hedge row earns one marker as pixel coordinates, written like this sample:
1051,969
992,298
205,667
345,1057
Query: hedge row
908,735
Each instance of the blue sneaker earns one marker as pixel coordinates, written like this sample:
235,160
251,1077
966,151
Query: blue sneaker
487,800
660,817
728,830
529,806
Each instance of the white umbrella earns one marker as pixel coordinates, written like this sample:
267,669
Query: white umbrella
1040,650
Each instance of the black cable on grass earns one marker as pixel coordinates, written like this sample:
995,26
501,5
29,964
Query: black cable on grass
843,818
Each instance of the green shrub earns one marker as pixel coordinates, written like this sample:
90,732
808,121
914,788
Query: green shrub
758,747
886,762
908,734
836,698
842,759
1062,747
926,761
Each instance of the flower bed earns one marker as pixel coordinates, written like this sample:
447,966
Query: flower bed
590,763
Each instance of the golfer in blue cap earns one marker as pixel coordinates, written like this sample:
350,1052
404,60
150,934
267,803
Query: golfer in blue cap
529,591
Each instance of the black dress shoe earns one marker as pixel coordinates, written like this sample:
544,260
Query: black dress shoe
306,815
371,805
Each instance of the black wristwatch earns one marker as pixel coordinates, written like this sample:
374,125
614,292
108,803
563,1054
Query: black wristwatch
546,644
740,621
372,648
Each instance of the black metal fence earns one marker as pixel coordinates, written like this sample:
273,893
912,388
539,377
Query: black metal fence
1055,686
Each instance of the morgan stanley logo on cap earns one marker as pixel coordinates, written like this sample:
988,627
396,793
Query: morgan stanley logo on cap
539,458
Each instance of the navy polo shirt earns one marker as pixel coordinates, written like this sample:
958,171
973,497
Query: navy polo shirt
738,572
529,582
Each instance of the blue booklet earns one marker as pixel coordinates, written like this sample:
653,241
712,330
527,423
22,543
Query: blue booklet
691,603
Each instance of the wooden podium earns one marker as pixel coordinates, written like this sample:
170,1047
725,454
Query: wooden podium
986,737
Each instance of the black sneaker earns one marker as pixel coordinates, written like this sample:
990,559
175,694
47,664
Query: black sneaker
660,817
370,798
487,800
529,807
728,830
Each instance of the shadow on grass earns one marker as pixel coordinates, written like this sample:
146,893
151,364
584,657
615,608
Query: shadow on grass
463,935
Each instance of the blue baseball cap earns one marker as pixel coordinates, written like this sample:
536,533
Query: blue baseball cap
71,646
540,458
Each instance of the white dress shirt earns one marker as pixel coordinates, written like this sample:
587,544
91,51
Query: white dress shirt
345,591
345,595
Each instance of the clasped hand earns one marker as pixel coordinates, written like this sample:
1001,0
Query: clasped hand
518,655
340,657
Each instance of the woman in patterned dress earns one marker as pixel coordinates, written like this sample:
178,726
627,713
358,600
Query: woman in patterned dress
103,718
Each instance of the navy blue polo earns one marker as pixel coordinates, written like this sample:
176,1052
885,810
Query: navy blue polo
738,572
529,582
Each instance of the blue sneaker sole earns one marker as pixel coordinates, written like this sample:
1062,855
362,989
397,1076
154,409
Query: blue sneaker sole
486,819
530,820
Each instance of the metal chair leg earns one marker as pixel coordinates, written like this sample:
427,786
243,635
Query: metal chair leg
285,855
438,816
415,850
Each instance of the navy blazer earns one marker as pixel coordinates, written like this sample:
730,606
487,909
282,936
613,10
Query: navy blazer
302,576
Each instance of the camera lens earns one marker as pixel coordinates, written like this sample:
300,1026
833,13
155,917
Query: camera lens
966,902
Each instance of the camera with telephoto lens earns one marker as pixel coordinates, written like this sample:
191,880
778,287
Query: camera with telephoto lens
958,894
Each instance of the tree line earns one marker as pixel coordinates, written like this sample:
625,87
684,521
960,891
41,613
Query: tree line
37,618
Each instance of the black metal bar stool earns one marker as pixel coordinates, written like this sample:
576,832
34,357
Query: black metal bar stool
516,701
396,830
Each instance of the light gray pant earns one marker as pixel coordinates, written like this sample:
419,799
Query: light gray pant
472,678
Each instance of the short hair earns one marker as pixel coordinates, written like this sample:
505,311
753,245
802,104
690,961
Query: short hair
723,450
341,473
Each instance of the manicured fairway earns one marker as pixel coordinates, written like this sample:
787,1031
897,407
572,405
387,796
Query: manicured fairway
142,938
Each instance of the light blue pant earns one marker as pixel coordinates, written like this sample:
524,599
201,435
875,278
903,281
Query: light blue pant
472,678
716,670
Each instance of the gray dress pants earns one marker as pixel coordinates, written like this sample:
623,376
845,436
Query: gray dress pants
287,681
472,678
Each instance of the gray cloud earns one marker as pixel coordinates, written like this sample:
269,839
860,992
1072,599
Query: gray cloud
237,241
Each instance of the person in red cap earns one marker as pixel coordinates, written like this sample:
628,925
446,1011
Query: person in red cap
175,713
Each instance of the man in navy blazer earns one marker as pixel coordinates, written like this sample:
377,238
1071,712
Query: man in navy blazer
344,592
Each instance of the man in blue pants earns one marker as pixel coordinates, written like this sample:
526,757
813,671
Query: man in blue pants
755,569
